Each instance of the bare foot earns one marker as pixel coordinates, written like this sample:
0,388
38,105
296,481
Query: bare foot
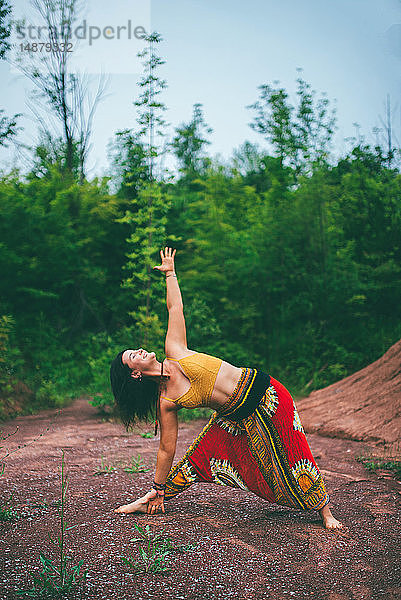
139,506
332,523
328,520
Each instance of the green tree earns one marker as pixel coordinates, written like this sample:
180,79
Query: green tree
189,144
300,136
129,162
146,216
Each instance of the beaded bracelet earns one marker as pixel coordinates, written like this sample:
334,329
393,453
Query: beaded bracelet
171,275
159,486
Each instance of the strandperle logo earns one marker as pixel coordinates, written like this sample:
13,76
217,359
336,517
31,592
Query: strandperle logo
105,37
83,31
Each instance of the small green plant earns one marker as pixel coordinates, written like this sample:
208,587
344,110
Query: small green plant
104,468
7,512
152,554
57,580
151,560
146,534
372,464
136,466
154,551
147,435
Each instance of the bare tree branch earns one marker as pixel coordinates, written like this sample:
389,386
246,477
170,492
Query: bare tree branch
66,93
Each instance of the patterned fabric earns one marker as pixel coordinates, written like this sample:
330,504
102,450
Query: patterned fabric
266,453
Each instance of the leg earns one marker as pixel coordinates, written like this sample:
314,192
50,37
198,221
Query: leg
328,520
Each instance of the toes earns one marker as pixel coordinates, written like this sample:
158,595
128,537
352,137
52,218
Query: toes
335,526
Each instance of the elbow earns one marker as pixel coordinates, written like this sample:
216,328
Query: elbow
177,305
167,450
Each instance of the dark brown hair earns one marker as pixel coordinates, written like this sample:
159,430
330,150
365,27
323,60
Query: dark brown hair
135,399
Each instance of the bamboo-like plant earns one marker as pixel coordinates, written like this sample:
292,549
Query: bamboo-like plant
57,578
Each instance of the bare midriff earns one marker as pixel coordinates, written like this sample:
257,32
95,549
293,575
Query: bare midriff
226,382
180,384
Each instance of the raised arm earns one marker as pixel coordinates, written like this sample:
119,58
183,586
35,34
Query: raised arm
176,338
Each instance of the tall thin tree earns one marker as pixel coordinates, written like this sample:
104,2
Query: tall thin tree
148,217
387,124
57,87
8,126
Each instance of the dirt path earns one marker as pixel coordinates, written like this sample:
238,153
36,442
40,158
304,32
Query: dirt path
245,548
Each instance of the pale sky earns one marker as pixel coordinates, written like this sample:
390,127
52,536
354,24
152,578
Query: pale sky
218,52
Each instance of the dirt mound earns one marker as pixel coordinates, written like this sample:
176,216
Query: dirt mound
365,406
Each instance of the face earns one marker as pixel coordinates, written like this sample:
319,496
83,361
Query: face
138,360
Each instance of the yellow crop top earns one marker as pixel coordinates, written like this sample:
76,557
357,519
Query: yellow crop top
201,370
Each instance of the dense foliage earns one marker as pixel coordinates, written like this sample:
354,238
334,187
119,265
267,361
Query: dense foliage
301,279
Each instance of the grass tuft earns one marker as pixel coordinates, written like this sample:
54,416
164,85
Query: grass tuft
372,464
153,553
104,468
136,466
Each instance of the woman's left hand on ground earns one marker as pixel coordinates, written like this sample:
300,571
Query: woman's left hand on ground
155,504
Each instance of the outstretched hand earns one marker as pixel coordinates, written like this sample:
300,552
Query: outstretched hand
167,260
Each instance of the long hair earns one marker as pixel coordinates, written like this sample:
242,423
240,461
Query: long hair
135,399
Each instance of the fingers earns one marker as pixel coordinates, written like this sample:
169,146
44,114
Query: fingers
168,252
152,508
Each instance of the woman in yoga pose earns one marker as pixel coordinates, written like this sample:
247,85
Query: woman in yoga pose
253,441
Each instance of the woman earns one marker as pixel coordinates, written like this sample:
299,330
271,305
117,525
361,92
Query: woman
254,440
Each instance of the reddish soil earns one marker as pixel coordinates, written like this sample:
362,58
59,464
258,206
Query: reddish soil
365,406
245,548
